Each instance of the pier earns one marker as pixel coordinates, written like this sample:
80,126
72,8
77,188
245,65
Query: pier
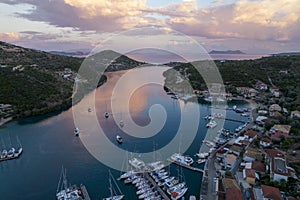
186,166
234,120
85,194
161,192
226,118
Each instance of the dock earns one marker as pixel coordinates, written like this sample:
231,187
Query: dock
229,119
9,158
15,156
161,192
234,120
85,193
186,166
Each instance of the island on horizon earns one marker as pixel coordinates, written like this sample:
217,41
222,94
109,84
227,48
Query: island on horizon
226,52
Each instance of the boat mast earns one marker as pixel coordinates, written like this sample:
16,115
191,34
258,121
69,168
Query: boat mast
9,140
110,185
18,139
119,191
59,182
3,144
65,182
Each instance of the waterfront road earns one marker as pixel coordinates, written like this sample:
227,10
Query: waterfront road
207,187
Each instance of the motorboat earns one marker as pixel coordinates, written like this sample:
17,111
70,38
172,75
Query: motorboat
119,139
186,160
211,124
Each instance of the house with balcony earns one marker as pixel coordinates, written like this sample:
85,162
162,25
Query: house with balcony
295,113
261,86
265,142
275,91
279,130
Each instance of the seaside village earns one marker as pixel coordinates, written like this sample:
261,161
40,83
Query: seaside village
259,161
262,160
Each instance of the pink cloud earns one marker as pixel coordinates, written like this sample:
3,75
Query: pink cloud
9,37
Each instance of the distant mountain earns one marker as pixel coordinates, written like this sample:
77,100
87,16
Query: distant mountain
287,54
73,53
226,52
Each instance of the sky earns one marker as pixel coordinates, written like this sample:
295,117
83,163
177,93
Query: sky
253,26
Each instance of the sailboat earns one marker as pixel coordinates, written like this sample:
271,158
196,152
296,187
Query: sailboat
18,152
76,131
113,194
177,191
106,114
119,139
121,123
4,151
65,192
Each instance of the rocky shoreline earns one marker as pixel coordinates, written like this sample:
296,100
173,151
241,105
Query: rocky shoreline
4,121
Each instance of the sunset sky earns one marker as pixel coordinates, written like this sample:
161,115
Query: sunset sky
253,26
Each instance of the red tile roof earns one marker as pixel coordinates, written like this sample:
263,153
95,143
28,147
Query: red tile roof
274,153
271,192
258,166
251,133
250,173
233,194
267,140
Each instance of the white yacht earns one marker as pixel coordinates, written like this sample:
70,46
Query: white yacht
209,143
202,155
211,124
200,161
119,139
186,160
177,191
18,152
121,123
128,174
3,153
106,115
171,183
11,152
169,179
137,164
146,194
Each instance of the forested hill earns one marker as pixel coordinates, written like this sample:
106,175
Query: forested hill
36,82
283,71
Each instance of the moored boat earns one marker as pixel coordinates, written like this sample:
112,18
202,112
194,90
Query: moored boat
200,161
186,160
119,139
113,194
128,174
211,124
65,192
202,155
76,131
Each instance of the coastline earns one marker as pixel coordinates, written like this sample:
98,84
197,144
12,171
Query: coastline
4,121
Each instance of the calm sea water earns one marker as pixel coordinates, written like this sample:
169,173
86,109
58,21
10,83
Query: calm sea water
49,143
166,57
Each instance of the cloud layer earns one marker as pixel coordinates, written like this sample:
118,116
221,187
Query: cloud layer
259,20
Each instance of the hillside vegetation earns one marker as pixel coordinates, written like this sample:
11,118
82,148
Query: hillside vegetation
36,82
281,71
